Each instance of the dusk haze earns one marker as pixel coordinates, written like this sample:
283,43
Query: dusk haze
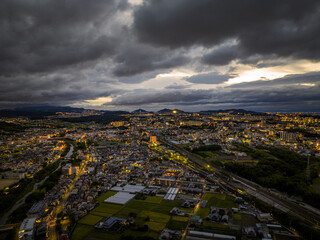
159,119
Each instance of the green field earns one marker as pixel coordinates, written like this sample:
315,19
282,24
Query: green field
203,212
205,154
237,216
154,216
215,225
90,219
219,200
153,199
153,211
176,225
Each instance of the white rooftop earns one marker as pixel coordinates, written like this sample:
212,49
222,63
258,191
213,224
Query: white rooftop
120,198
129,188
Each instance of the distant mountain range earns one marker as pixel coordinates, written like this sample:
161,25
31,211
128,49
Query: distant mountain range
36,112
48,109
232,111
139,111
166,110
44,110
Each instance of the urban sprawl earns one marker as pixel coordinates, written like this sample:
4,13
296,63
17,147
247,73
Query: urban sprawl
164,175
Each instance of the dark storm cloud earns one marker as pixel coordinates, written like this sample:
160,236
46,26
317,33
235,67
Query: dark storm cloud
291,97
55,88
141,98
312,77
208,78
135,58
285,28
38,36
220,56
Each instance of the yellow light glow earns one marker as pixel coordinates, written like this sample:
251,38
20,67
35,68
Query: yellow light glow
249,74
99,101
256,74
307,84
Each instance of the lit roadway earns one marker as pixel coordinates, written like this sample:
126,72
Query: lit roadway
52,233
302,211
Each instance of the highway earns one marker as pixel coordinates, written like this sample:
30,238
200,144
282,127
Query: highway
235,182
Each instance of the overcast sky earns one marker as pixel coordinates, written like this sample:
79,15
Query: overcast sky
188,54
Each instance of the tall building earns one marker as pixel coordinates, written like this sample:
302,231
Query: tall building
153,139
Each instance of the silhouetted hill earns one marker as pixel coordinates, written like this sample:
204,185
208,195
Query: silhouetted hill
231,111
45,108
167,111
36,112
139,111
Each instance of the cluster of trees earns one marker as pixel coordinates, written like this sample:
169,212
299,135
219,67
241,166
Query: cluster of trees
10,127
8,199
66,150
211,148
21,213
12,195
48,168
307,231
281,169
107,117
80,146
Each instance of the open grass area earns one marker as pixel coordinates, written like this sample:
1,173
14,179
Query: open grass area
107,208
237,216
219,200
176,225
156,226
153,211
180,218
205,154
203,212
90,219
153,199
154,216
215,225
81,232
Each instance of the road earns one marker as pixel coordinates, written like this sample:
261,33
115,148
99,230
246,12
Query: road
52,232
234,182
69,154
21,201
